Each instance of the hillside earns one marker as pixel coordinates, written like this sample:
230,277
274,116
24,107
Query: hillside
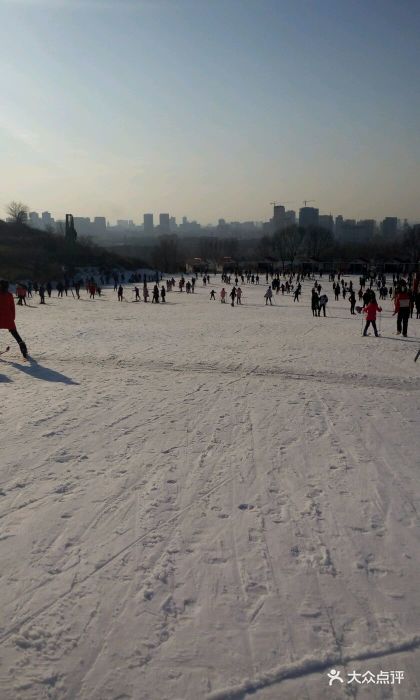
27,253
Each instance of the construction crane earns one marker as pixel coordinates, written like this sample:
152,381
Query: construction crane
275,203
305,201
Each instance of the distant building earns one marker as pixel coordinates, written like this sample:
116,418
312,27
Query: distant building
164,226
360,232
148,226
349,233
367,229
281,218
326,221
172,224
99,225
389,227
83,225
338,227
279,215
34,219
308,216
47,219
290,217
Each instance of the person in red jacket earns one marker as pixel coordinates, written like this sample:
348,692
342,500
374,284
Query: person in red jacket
402,308
370,311
7,315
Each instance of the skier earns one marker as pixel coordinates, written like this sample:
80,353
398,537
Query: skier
120,293
8,314
42,294
233,295
155,295
223,295
402,308
212,295
137,293
145,292
239,296
163,294
370,314
297,292
268,295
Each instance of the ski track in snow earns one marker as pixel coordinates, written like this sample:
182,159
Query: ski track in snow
206,503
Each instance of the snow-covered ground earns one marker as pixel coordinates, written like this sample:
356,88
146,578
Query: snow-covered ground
201,503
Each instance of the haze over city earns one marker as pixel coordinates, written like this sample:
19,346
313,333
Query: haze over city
210,109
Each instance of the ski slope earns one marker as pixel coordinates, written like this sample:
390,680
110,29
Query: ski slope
200,502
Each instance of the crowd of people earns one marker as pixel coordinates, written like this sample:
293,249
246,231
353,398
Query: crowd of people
405,293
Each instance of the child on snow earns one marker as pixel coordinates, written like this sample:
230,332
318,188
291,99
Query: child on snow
370,311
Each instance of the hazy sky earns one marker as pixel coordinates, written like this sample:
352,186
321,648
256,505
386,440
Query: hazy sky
210,108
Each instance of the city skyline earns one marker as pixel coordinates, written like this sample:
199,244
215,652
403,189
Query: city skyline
205,107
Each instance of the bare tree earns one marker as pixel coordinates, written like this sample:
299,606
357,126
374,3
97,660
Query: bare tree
165,254
293,236
317,241
280,248
18,212
412,243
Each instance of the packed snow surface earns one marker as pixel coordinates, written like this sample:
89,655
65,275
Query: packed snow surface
201,502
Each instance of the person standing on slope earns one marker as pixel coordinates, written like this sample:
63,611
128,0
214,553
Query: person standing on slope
268,295
233,295
8,314
322,304
402,308
120,293
314,302
370,311
352,300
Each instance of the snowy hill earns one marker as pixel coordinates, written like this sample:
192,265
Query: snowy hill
200,502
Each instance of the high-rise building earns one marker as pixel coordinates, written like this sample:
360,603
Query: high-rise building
389,227
83,225
164,223
281,218
326,221
47,219
99,225
367,229
34,219
308,216
148,223
290,217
